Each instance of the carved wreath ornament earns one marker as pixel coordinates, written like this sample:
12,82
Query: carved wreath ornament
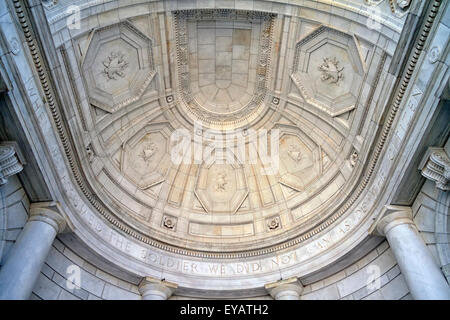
115,65
331,71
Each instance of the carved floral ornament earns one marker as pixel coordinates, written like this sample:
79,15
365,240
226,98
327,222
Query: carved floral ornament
273,223
115,65
169,222
331,71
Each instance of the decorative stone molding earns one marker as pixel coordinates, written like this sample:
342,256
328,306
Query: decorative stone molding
331,71
289,289
169,222
10,163
276,100
169,99
263,67
334,93
110,53
354,158
48,212
49,4
390,217
115,65
155,289
435,166
273,223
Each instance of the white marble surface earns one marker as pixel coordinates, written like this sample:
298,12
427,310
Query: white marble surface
423,277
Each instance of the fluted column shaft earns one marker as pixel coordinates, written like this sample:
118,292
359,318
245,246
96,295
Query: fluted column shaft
24,263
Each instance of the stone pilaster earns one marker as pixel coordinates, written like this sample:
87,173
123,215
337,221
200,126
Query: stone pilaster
155,289
289,289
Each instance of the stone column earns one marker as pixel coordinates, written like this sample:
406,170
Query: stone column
289,289
155,289
423,276
23,265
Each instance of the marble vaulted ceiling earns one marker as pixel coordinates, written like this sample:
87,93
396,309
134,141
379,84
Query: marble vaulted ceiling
135,78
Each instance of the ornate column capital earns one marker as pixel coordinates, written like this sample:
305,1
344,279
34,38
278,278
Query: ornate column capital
435,166
390,217
11,161
155,289
48,212
289,289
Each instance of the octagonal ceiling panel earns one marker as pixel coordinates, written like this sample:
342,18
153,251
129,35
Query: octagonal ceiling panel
328,70
300,162
118,66
221,187
146,157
